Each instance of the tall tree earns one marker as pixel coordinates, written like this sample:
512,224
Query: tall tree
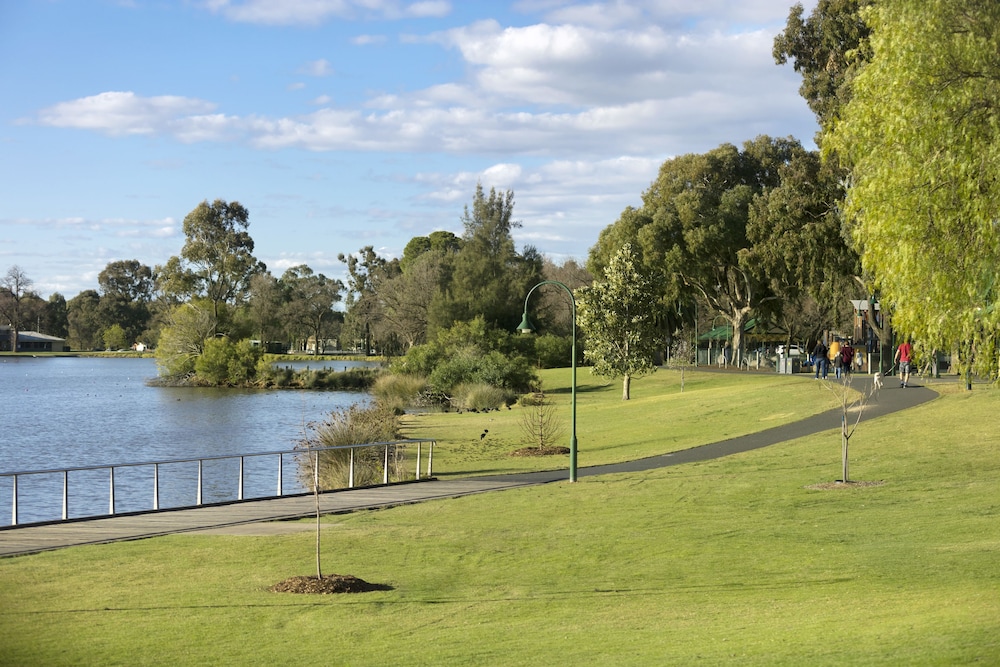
217,258
83,313
828,49
15,292
616,318
126,291
921,137
490,277
692,228
311,298
366,271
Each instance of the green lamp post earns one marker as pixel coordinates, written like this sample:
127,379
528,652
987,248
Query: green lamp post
525,327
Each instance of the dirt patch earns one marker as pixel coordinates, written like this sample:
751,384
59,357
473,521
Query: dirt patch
330,583
540,451
827,486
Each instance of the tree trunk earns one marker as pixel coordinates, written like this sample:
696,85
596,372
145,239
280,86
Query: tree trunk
626,386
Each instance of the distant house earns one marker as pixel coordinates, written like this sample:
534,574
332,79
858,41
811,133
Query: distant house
32,341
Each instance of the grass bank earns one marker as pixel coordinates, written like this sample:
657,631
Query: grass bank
735,561
659,418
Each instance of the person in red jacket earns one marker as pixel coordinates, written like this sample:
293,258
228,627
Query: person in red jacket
904,355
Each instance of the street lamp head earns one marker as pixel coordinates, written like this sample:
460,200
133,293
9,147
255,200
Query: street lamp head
525,326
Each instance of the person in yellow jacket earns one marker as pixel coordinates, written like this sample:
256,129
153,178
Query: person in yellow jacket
833,354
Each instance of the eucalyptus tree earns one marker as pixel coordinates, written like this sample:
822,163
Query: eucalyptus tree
126,289
264,304
921,138
84,317
828,49
620,326
366,271
311,298
405,299
692,229
216,261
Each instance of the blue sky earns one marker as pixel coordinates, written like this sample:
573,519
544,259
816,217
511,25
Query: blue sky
346,123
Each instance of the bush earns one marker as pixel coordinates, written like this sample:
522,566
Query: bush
554,351
224,363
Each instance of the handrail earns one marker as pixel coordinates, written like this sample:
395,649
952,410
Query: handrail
280,454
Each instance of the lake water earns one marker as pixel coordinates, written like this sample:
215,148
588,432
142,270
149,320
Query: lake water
65,412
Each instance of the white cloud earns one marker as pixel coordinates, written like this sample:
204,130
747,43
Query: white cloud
319,68
314,12
122,113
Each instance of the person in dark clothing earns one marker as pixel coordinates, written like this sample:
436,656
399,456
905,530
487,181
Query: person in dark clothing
820,360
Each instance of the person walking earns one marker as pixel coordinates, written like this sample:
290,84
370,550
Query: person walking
847,357
904,357
834,356
819,359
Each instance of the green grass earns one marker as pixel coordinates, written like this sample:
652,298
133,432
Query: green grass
659,418
733,561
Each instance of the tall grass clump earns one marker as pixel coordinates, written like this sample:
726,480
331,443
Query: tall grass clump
355,425
399,391
479,396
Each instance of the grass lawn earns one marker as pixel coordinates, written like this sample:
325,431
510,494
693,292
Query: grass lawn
659,418
733,561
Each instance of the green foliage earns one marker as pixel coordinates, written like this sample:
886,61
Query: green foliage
114,338
489,278
224,363
921,137
617,319
469,352
553,351
828,50
183,338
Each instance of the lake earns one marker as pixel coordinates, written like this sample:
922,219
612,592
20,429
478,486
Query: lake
65,412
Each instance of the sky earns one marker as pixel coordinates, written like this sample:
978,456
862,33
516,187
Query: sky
341,124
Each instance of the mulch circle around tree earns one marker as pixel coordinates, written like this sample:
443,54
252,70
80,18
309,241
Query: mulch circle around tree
330,583
540,451
827,486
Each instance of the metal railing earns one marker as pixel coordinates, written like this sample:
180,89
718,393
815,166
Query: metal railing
391,456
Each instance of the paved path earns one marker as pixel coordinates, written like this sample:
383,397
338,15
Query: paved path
249,516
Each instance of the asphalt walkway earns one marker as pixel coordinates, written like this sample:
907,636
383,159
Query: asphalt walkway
267,516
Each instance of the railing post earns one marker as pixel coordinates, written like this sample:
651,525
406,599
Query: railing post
385,466
111,495
198,498
239,490
156,486
281,466
65,494
13,512
430,460
350,476
418,461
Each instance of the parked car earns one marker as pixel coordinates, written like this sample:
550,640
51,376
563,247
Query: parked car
793,351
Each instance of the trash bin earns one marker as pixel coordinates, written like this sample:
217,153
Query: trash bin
789,365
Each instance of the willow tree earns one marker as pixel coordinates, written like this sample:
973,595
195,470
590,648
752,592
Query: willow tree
616,317
922,140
